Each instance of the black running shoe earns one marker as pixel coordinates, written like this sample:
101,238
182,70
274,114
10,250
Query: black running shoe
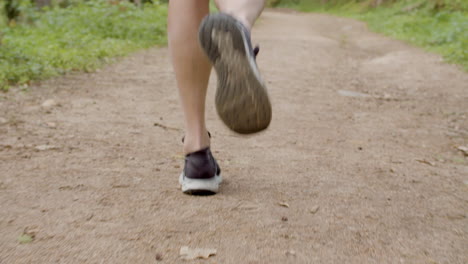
201,174
241,98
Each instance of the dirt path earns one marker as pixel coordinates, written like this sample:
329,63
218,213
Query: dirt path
374,179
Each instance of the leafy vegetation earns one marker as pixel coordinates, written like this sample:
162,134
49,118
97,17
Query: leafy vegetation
39,44
437,25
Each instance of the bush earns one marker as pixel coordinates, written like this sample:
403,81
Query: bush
80,37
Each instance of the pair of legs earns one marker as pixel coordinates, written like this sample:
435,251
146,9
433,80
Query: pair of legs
191,65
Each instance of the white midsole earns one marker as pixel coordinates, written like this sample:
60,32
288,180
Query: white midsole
189,184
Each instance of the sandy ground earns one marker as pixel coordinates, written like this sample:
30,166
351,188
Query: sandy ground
374,177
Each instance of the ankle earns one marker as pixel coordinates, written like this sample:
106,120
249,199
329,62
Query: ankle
243,19
195,142
245,22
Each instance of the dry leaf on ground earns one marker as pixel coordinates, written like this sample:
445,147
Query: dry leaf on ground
45,147
463,149
426,162
49,103
24,239
187,253
352,94
314,209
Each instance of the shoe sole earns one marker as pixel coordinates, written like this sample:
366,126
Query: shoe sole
200,186
241,97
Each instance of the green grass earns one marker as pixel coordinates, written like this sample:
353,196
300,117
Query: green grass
81,37
438,26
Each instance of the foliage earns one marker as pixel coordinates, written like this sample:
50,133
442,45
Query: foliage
437,25
80,37
442,31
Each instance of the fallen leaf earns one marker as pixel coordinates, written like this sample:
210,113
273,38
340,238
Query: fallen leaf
156,124
464,150
178,157
314,209
386,97
284,219
89,217
352,94
290,253
426,162
5,146
284,204
456,216
31,231
187,253
45,147
244,205
49,103
24,239
51,124
115,186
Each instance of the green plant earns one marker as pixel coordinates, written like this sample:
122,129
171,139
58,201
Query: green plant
81,37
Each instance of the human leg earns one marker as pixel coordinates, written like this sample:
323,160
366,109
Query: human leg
191,67
201,173
246,11
242,101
